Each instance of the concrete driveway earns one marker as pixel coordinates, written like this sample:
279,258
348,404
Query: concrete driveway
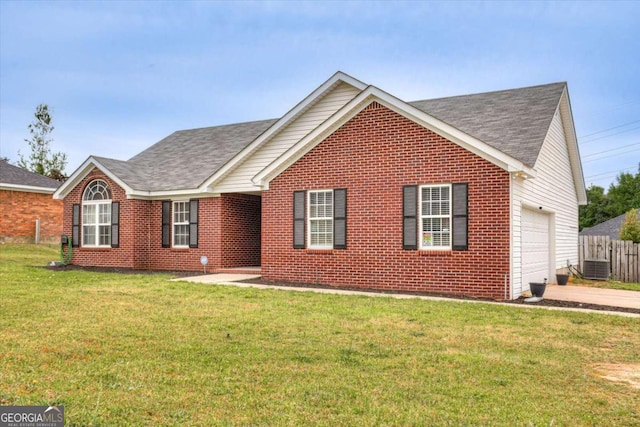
611,297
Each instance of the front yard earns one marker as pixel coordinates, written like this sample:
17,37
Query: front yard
140,350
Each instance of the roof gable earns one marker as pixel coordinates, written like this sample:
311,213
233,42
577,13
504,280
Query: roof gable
19,179
370,95
297,111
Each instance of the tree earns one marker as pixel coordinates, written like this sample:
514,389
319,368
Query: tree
630,229
42,160
626,194
623,195
597,210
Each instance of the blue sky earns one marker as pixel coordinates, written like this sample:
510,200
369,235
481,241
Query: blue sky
120,76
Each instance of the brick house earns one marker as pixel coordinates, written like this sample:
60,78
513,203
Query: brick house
28,213
475,194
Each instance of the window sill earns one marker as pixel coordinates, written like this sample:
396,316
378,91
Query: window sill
96,248
312,251
434,252
180,249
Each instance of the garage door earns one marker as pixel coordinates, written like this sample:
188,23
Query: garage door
535,247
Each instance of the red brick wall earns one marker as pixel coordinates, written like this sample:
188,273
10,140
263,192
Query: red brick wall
104,257
187,259
232,219
241,230
19,211
374,155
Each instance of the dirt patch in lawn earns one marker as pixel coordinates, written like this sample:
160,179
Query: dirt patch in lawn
618,372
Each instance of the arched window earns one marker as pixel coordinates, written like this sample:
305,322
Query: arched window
97,190
96,214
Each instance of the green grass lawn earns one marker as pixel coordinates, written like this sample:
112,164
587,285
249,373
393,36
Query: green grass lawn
140,350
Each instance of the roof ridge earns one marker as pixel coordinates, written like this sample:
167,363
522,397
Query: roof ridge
491,92
225,125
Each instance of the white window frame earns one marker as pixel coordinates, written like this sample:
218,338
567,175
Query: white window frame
439,216
96,216
313,220
183,223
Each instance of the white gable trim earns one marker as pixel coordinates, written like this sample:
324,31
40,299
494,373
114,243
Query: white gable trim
302,106
572,145
82,172
369,95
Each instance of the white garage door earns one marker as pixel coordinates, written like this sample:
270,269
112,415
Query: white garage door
535,247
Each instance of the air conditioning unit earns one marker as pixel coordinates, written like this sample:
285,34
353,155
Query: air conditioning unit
596,269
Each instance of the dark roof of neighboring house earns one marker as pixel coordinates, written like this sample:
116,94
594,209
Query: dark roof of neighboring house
14,175
514,121
609,228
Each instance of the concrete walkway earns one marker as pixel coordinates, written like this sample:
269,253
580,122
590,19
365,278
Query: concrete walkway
611,297
217,278
567,293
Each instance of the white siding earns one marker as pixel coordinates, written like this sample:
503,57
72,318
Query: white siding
554,191
239,179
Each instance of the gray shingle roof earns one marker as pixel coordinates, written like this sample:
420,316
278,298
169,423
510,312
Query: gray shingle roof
609,228
186,158
514,121
14,175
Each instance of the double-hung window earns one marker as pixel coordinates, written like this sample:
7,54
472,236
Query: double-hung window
435,217
321,219
96,215
181,224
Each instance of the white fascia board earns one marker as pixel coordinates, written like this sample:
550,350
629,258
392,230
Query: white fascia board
27,188
82,172
574,151
282,122
170,194
357,104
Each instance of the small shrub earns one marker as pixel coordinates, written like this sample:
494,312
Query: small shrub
630,229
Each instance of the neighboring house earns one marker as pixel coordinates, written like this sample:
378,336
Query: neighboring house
474,195
609,228
26,202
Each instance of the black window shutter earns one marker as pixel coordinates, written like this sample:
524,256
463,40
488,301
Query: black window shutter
340,218
299,219
460,217
75,227
166,224
115,224
410,217
193,223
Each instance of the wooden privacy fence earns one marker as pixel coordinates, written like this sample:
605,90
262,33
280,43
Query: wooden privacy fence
623,256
